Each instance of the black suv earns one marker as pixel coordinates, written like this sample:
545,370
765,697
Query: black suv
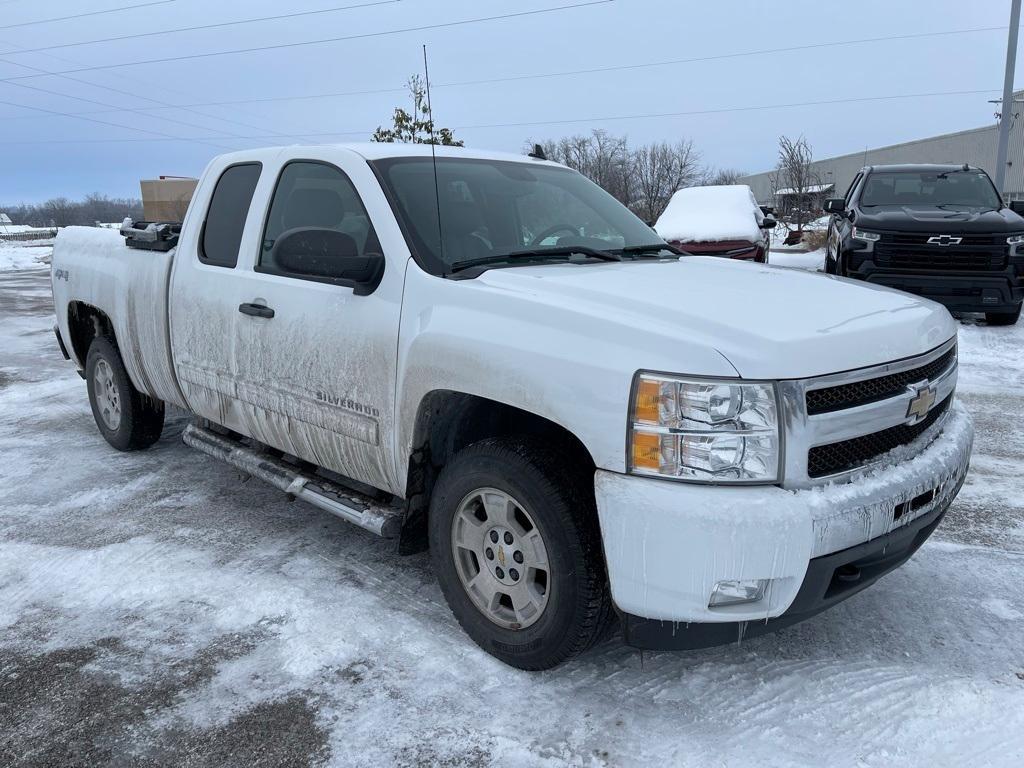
940,231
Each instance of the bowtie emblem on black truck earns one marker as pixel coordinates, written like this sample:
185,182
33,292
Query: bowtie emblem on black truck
944,240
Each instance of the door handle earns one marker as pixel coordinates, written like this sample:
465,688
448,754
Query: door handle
256,310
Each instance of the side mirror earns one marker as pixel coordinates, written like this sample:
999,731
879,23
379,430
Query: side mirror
1017,206
327,255
769,222
767,210
835,205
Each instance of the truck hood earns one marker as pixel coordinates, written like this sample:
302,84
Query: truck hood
935,220
768,322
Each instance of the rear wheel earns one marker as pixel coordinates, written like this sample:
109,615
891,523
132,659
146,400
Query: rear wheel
1003,318
516,550
126,418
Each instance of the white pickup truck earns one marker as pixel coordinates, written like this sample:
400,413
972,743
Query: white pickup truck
488,355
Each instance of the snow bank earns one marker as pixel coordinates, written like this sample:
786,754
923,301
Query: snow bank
812,261
711,214
15,256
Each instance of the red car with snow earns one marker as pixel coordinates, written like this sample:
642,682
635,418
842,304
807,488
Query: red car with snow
717,221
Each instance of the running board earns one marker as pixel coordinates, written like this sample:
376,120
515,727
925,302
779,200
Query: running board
381,519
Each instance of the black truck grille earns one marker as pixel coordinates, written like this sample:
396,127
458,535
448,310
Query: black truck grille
974,253
824,460
967,240
872,390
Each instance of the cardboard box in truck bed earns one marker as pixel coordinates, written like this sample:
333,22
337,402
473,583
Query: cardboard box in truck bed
167,198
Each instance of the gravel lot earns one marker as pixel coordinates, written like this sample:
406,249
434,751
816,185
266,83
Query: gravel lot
159,609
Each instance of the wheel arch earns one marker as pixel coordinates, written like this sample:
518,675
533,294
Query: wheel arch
85,323
447,421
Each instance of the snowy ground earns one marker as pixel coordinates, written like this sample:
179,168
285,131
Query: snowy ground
157,609
25,255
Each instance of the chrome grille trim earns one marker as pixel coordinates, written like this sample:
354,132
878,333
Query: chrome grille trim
803,432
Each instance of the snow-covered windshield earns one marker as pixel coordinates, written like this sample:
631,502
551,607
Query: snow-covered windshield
956,188
491,208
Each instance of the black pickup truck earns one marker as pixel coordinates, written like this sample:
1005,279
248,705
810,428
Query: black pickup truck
940,231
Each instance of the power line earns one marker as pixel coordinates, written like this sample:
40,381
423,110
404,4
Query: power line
164,136
165,32
280,46
87,13
592,70
565,121
136,110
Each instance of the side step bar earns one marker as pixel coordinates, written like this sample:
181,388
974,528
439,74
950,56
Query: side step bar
381,519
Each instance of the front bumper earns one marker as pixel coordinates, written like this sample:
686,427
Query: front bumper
668,544
958,292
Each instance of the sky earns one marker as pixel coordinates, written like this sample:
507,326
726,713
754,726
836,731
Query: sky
499,83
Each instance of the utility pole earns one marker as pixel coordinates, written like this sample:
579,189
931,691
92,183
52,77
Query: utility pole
1007,116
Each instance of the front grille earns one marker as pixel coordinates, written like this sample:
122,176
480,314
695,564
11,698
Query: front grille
825,460
872,390
913,252
923,239
955,260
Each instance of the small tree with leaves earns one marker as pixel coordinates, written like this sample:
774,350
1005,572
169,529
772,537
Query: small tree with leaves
417,128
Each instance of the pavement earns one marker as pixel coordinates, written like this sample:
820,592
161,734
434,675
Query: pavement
158,608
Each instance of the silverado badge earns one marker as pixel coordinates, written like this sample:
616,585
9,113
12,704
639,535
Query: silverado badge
921,403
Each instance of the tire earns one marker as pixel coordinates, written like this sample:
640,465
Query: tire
831,263
571,608
1003,318
127,419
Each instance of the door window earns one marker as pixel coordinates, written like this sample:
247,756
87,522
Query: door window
316,195
225,220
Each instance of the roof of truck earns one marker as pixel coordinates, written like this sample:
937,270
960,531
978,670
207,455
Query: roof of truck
917,167
381,150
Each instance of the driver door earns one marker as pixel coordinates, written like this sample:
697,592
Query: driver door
315,369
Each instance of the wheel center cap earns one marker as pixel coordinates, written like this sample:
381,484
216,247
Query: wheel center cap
501,555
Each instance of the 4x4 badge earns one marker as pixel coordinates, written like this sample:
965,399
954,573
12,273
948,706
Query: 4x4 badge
921,403
944,240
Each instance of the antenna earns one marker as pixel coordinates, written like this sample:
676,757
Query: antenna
433,153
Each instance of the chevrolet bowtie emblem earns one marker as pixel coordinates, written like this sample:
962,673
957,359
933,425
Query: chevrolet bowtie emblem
921,403
944,240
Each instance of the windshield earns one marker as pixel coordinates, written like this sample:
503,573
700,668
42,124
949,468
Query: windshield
489,208
956,188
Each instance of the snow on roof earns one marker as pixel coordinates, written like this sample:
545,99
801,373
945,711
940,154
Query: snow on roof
809,190
711,214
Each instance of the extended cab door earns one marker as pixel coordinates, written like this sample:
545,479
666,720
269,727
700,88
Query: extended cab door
315,372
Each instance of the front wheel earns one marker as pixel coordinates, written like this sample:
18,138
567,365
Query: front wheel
517,552
1003,318
126,418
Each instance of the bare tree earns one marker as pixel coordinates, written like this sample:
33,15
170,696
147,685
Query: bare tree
795,174
658,171
601,157
63,212
723,176
60,211
417,128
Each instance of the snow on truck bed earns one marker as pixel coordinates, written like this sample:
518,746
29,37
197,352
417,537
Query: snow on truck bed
711,214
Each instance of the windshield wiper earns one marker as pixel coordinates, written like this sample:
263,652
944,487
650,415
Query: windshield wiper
654,250
534,254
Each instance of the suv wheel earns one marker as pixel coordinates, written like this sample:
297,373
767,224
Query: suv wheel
1003,318
516,550
126,418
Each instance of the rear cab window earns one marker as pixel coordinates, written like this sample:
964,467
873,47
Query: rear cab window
225,218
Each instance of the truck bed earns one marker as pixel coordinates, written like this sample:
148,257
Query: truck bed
94,267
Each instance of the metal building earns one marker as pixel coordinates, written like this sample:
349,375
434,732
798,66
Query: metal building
976,147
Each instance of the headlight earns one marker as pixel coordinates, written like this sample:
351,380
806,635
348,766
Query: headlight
704,430
867,237
1015,240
